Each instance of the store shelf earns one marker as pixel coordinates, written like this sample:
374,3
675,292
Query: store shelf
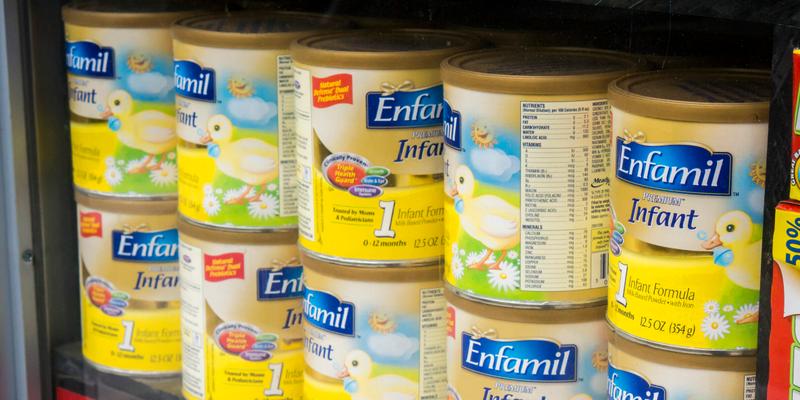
76,377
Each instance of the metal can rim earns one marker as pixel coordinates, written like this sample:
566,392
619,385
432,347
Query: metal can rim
622,96
304,50
454,72
397,274
183,30
233,236
127,205
548,315
85,14
691,351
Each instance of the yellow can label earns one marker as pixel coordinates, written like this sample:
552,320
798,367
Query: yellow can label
373,339
120,81
235,119
634,373
129,291
492,358
527,207
370,170
241,319
687,216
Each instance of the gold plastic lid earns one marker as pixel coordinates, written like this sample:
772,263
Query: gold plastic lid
543,70
128,13
745,364
253,29
399,274
231,236
382,49
526,315
142,206
701,95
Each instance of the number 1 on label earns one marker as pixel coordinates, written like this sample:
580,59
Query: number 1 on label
275,385
386,222
127,336
623,282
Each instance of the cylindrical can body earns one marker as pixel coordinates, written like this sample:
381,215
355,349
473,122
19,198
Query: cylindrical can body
526,174
241,296
234,103
637,371
374,332
369,143
687,190
499,352
130,303
119,73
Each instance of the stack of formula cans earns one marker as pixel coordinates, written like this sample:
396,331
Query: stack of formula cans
370,204
526,221
689,152
242,281
119,66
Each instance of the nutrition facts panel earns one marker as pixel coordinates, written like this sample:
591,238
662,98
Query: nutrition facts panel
433,357
564,194
286,145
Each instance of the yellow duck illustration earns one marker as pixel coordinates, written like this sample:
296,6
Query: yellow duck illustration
487,218
150,131
249,160
358,368
736,232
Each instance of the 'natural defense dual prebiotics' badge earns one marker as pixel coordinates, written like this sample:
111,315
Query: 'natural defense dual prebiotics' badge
129,285
370,141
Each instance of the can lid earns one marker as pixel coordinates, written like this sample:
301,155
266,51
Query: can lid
544,70
221,235
382,48
399,274
527,314
699,95
681,359
128,13
253,29
126,205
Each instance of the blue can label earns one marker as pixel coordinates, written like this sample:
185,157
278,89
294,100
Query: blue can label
519,360
405,109
327,312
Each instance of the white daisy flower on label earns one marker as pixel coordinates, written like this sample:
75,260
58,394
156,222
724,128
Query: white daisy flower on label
745,313
233,194
265,207
110,161
272,187
208,189
474,258
164,176
171,155
711,307
113,176
512,255
134,164
505,277
211,205
715,327
457,267
455,248
727,308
